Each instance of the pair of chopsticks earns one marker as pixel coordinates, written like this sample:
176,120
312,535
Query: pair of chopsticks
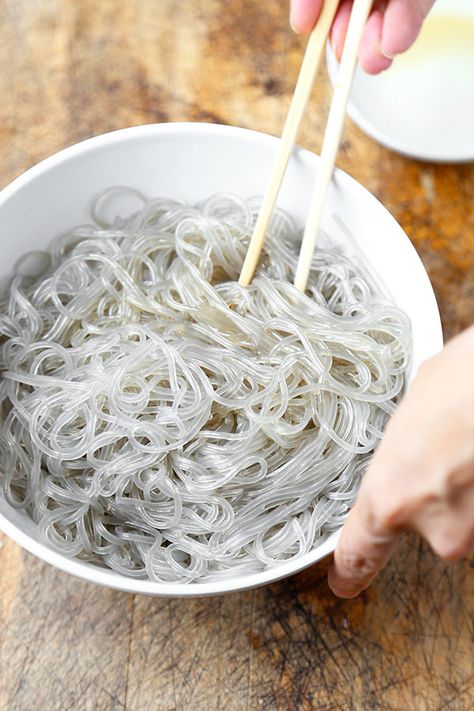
332,136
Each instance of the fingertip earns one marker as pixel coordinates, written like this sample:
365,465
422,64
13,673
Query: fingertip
340,587
303,15
362,551
351,571
345,594
371,57
375,65
401,25
339,28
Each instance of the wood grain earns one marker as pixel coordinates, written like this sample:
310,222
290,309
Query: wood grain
71,69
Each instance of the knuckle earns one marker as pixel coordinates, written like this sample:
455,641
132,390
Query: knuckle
383,512
455,481
357,565
394,512
451,549
401,512
389,518
426,368
447,551
448,487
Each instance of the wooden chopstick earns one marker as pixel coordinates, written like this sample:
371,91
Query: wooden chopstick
304,85
332,137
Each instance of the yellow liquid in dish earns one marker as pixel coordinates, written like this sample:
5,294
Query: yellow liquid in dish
442,35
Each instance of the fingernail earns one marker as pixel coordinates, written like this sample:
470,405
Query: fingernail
292,25
339,47
346,593
386,54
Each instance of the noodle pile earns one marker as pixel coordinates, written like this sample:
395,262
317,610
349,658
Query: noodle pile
162,421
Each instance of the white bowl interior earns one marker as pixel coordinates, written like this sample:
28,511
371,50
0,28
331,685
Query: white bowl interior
192,161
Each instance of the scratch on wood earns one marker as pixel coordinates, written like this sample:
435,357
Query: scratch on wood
172,652
251,648
129,649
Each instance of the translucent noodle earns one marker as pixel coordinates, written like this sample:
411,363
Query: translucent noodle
160,420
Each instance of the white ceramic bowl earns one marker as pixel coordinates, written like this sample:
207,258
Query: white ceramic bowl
193,161
423,106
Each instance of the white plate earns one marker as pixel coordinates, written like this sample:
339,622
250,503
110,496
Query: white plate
423,106
193,161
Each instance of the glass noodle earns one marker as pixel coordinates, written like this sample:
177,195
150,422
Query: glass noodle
160,420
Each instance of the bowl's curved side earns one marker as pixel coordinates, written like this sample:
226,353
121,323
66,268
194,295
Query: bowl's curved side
108,578
193,161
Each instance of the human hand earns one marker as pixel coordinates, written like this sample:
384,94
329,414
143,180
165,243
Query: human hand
421,476
392,27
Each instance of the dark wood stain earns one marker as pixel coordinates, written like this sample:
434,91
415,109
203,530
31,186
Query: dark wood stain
73,69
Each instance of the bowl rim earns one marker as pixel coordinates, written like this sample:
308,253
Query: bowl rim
108,578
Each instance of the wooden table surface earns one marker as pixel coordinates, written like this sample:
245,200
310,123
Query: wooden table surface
74,68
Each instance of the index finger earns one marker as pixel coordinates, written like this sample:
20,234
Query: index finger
363,549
